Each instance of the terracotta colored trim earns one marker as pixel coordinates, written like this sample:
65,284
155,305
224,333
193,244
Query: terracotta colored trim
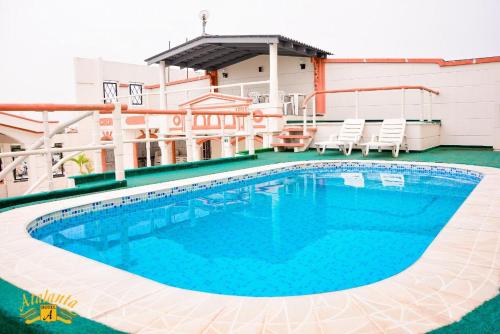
57,107
147,111
319,84
143,135
217,106
134,155
135,120
369,89
178,82
257,138
214,79
123,85
217,96
174,155
103,160
202,140
21,129
437,61
26,118
105,122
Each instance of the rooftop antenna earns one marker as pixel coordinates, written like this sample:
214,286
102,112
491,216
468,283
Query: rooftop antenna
204,15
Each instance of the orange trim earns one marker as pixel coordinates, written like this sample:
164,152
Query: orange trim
103,160
257,138
135,120
217,106
107,136
218,96
135,155
319,84
57,107
202,140
174,156
105,121
26,118
178,82
214,79
123,85
437,61
148,111
369,89
143,135
18,128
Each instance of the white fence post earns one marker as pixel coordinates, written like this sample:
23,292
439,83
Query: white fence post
251,134
96,140
118,142
188,124
47,146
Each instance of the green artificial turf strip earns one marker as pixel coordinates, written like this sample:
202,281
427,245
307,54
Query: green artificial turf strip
483,320
11,323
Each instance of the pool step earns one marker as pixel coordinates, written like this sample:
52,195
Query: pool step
293,138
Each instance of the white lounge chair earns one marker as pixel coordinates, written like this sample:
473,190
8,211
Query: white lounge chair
391,135
350,135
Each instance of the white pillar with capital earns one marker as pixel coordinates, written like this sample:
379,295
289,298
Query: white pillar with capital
163,106
274,98
274,124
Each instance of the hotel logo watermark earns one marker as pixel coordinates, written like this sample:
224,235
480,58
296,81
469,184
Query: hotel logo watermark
47,307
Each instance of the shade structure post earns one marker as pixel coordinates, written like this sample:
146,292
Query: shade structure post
163,106
118,142
273,75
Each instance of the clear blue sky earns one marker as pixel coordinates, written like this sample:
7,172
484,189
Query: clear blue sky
40,38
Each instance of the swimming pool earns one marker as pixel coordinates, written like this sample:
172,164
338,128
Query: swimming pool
300,230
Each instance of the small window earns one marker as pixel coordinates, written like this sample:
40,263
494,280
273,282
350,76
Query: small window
56,157
21,171
110,91
135,90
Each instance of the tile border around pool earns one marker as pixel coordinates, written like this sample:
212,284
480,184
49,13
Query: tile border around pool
459,271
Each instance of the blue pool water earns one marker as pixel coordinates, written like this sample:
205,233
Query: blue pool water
293,233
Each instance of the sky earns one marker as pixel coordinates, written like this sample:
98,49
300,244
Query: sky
38,39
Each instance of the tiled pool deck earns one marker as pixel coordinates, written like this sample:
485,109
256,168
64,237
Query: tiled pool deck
457,273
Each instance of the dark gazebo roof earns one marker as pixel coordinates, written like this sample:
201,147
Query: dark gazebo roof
212,52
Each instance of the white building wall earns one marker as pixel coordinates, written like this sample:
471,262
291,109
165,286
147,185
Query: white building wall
291,79
468,104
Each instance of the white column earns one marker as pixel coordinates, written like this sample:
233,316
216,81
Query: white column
188,124
96,140
403,103
118,142
148,143
273,76
163,106
250,132
48,155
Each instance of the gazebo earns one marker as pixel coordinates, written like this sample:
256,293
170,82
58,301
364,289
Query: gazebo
214,52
